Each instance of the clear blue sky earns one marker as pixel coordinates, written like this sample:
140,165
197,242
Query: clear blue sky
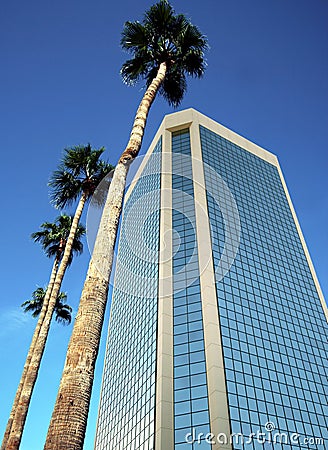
60,86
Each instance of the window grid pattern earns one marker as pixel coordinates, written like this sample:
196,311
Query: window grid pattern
127,406
272,323
190,386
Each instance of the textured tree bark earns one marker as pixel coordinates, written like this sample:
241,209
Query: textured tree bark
69,418
30,353
19,418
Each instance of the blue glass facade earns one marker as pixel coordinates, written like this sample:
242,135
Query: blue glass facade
190,388
127,408
273,327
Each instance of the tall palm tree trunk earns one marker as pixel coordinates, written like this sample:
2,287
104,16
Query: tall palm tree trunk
19,418
30,354
69,418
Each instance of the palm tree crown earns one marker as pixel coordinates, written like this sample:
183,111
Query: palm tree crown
164,37
53,237
63,312
80,171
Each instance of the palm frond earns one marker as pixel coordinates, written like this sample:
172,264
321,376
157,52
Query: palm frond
134,37
65,188
33,306
63,312
134,69
53,237
194,64
159,18
174,87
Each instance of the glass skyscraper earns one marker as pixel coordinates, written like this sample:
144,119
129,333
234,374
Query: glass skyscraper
218,325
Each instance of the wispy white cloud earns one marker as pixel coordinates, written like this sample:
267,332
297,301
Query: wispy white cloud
13,320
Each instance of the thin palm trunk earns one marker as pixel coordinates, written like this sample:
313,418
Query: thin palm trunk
30,354
19,418
69,418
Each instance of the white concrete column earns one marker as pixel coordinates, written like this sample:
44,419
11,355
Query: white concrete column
216,383
164,413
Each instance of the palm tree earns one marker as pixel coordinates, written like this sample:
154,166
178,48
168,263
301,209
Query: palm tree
165,48
77,177
53,238
63,312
